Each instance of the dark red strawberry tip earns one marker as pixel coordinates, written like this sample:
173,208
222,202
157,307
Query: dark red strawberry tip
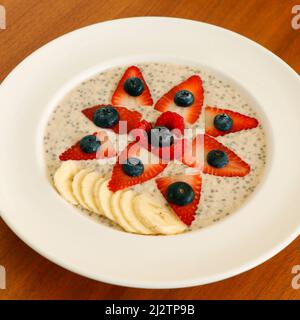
128,119
192,184
192,110
215,124
172,120
132,90
121,180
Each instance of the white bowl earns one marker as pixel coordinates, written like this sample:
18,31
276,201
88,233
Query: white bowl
260,229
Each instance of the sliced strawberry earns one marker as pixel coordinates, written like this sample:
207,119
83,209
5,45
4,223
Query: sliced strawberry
174,152
193,155
186,213
130,118
236,167
122,98
240,121
140,132
191,113
171,120
167,154
121,180
106,150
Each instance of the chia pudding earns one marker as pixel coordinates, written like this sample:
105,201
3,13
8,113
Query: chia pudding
220,196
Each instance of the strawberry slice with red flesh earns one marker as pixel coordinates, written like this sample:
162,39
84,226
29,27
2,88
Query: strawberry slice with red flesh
193,153
187,212
235,167
140,133
239,121
175,123
171,120
122,98
120,180
132,118
169,153
106,150
190,113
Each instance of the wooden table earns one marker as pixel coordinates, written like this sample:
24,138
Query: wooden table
31,24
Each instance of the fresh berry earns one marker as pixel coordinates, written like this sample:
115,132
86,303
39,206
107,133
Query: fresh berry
171,120
193,153
223,122
160,137
89,144
184,98
201,146
133,167
180,193
120,180
134,86
218,123
121,97
217,158
105,149
141,131
130,119
186,212
173,152
106,117
145,125
191,113
167,153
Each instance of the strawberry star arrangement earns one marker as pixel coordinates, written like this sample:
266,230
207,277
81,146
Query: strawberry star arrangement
153,145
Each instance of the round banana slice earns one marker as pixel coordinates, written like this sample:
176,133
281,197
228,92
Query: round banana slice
87,187
63,178
96,193
104,198
157,216
118,214
126,204
77,187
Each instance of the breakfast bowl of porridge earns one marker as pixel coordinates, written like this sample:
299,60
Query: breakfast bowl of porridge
211,181
131,163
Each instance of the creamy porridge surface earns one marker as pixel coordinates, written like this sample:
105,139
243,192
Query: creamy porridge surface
220,195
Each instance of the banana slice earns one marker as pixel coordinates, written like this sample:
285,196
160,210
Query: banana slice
96,193
157,216
126,206
104,198
118,214
87,187
63,178
77,187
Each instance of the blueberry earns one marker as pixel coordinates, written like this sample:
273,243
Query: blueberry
184,98
133,167
134,86
217,158
106,117
223,122
160,137
89,144
180,193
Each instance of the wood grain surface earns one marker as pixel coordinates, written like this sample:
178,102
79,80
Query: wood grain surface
31,24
